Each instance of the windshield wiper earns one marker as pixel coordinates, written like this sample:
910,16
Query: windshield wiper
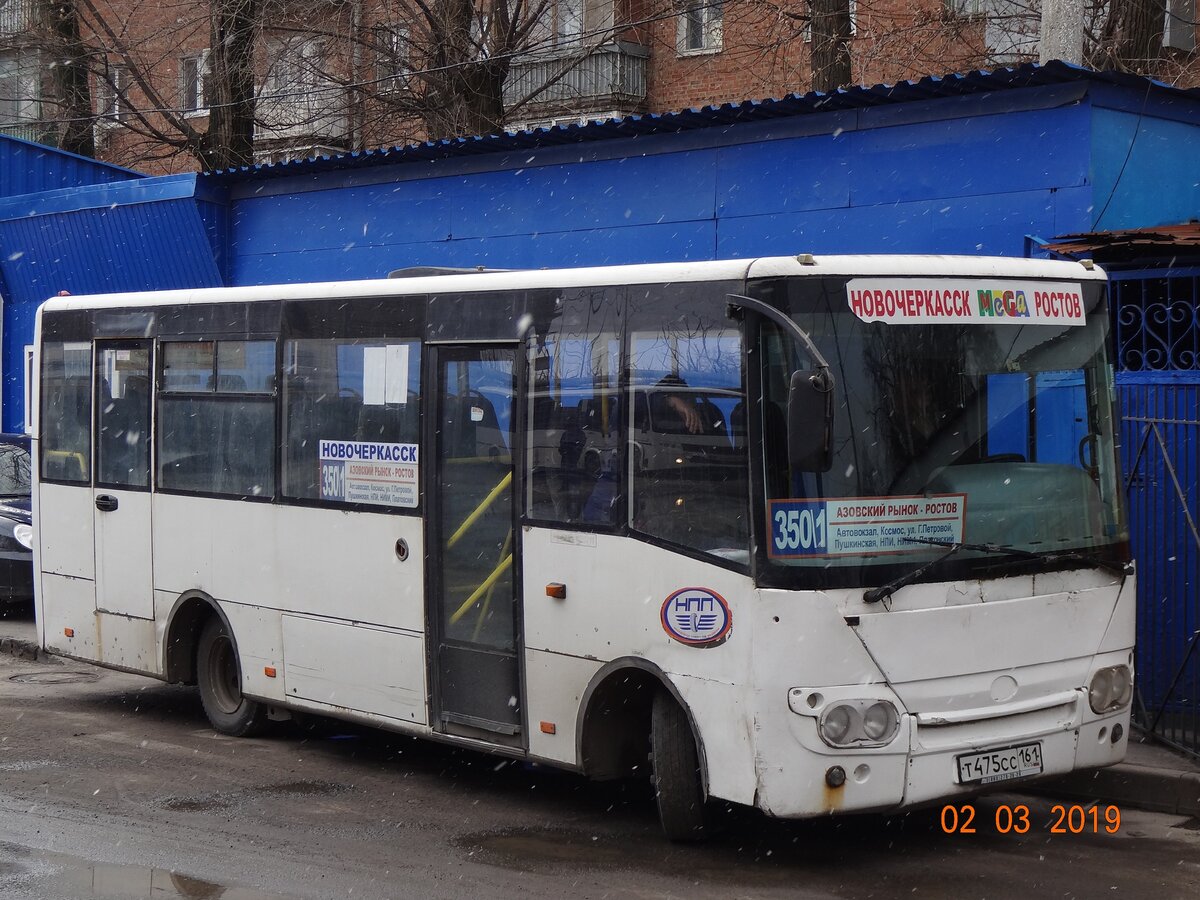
1117,568
874,595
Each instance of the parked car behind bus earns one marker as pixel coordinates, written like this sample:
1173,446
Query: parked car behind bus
16,530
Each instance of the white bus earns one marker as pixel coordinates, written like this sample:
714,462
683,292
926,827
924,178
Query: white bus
804,534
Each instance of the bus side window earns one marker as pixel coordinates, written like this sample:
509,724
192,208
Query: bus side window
688,455
216,417
66,415
573,463
355,391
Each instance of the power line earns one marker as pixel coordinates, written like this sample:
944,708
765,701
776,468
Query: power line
312,94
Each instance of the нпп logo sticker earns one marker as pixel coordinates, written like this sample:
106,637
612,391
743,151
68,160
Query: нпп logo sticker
697,616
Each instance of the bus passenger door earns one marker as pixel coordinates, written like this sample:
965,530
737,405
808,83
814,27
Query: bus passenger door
124,583
475,663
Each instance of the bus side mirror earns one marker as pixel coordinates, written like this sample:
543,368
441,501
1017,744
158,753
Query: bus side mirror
810,420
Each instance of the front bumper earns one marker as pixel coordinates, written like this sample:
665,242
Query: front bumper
920,765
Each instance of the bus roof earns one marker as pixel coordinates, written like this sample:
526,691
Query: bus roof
650,273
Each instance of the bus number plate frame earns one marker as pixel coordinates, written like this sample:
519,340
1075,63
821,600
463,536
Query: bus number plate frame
1006,764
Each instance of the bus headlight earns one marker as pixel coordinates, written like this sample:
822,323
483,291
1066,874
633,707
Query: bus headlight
1110,688
835,725
859,723
880,721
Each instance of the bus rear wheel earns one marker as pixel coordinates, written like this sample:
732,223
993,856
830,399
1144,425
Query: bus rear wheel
220,678
678,788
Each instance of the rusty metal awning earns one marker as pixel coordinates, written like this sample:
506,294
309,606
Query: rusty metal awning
1156,244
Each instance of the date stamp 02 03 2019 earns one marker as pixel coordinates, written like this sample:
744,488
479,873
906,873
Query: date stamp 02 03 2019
1017,819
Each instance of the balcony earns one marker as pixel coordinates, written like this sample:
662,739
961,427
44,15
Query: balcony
578,82
316,118
26,131
16,16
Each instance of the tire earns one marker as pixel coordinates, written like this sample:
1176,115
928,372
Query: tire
675,768
220,678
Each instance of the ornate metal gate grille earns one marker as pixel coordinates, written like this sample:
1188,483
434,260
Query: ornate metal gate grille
1158,378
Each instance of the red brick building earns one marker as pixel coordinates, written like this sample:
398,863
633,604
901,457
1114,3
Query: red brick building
337,75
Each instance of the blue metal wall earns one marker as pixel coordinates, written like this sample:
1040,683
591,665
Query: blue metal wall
27,168
1145,162
857,181
144,235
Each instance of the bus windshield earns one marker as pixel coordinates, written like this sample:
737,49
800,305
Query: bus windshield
988,433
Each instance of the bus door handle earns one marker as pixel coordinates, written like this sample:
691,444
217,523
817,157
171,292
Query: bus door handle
106,503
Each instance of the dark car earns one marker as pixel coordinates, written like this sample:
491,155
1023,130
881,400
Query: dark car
16,528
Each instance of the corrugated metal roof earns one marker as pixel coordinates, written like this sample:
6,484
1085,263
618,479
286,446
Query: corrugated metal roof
1141,245
931,87
136,247
28,168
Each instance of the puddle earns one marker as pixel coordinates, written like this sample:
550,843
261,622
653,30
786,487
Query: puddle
60,876
302,789
218,802
55,677
559,850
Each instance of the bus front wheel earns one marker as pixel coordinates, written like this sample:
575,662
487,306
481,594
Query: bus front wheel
678,788
220,678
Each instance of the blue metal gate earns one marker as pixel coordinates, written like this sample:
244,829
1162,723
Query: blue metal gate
1158,379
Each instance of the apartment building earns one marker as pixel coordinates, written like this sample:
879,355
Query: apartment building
330,76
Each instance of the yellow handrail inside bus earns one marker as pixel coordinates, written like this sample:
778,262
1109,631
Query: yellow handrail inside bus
480,510
487,600
479,591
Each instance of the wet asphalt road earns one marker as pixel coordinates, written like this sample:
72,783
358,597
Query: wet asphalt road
113,786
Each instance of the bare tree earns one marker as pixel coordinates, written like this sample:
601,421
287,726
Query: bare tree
379,71
229,139
830,54
444,66
110,77
468,49
69,86
1130,38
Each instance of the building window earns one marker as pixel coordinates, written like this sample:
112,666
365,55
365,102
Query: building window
194,83
111,94
391,58
17,16
966,8
568,21
292,92
18,91
565,24
700,26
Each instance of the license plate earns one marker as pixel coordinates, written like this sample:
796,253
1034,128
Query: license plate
1000,765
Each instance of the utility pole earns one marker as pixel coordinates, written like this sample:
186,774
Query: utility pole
1062,31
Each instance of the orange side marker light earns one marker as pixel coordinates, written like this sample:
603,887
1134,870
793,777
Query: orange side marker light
69,632
269,671
557,590
549,728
